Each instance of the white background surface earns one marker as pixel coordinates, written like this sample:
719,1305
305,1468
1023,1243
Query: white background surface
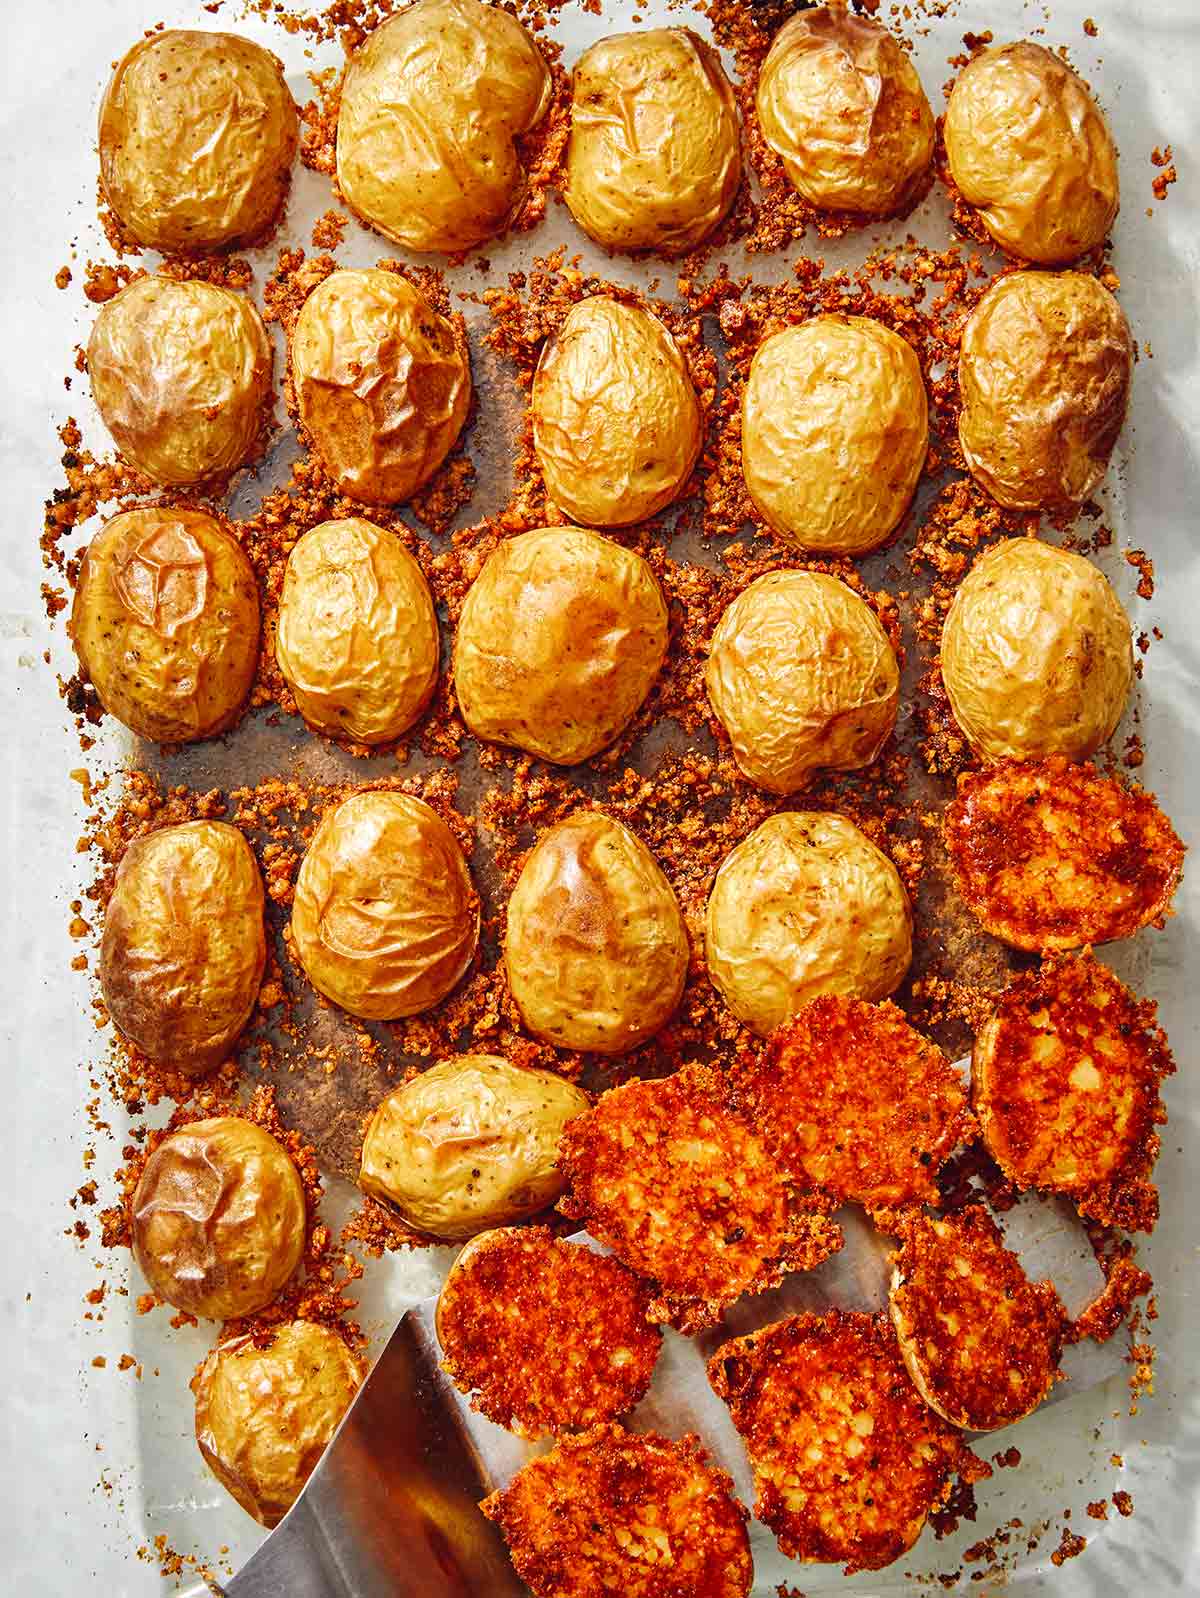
68,1427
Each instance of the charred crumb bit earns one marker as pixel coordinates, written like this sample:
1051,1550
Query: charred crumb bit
1163,158
62,277
1141,562
1090,28
1098,1509
1123,1503
1007,1460
102,280
1070,1546
329,230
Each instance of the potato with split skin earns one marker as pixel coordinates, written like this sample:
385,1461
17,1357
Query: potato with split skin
181,376
184,949
616,423
431,108
469,1144
165,623
654,158
197,137
382,383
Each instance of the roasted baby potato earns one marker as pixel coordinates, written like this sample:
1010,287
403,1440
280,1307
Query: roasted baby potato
197,137
183,949
165,623
469,1144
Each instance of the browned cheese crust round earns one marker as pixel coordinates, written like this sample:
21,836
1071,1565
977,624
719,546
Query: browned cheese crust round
184,948
1051,855
1044,369
848,1460
1029,147
1065,1080
218,1218
550,1335
842,105
685,1192
980,1340
854,1103
611,1512
197,137
165,623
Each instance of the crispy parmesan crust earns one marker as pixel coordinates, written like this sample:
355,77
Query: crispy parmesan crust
1052,855
551,1335
610,1512
848,1460
683,1190
1065,1080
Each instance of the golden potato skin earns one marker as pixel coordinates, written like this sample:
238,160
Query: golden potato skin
559,641
469,1144
1037,653
265,1415
183,949
1044,370
841,104
381,384
431,105
616,421
384,918
1029,147
654,158
805,905
197,137
181,376
801,676
596,950
357,636
834,433
165,623
218,1218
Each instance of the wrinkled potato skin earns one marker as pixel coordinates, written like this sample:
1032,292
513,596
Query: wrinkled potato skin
265,1415
165,623
841,104
469,1144
1044,370
1037,653
381,384
559,641
834,433
654,158
357,638
183,949
616,422
218,1218
805,905
384,918
801,676
431,105
197,137
596,950
1029,147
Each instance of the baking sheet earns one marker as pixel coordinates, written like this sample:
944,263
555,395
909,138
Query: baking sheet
98,1462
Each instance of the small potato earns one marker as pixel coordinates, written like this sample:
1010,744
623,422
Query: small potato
382,384
265,1415
197,137
559,641
1037,653
801,676
596,950
805,905
834,433
654,158
469,1144
432,103
165,623
840,102
1029,147
384,918
1044,370
218,1218
184,948
616,422
357,637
